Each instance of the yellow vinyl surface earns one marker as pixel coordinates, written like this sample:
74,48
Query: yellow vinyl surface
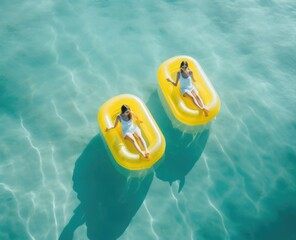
122,149
182,107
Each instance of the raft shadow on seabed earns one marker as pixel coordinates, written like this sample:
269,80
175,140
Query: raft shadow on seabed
183,149
109,200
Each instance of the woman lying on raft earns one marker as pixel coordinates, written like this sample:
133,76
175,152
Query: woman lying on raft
131,131
185,76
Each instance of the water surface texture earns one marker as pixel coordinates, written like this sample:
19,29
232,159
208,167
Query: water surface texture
61,60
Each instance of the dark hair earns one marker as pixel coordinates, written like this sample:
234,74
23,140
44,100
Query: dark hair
124,108
184,63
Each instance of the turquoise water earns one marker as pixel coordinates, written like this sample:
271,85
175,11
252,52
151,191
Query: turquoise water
61,60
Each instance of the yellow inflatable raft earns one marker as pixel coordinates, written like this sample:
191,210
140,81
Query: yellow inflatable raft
182,107
123,151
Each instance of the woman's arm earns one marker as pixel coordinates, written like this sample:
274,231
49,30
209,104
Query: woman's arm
136,117
177,80
192,77
115,124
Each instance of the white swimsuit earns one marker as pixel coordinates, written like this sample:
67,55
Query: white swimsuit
186,84
127,126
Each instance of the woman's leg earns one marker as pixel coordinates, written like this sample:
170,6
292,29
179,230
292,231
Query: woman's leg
131,137
196,100
199,100
190,95
139,136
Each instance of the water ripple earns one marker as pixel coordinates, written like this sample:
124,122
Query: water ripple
25,222
181,213
58,115
220,215
80,112
54,209
151,219
28,136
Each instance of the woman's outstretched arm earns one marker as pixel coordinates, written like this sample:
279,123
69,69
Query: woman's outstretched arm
115,124
175,83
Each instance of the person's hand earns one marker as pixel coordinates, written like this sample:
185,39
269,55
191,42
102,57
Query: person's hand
169,80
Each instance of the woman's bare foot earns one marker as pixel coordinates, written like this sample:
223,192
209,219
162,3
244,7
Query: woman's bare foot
206,111
143,154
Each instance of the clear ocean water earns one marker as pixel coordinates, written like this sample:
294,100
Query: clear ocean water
60,60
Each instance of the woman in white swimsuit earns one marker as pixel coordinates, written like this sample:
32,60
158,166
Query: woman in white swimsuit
131,131
185,75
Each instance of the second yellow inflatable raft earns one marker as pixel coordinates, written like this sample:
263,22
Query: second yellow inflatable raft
122,150
182,107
